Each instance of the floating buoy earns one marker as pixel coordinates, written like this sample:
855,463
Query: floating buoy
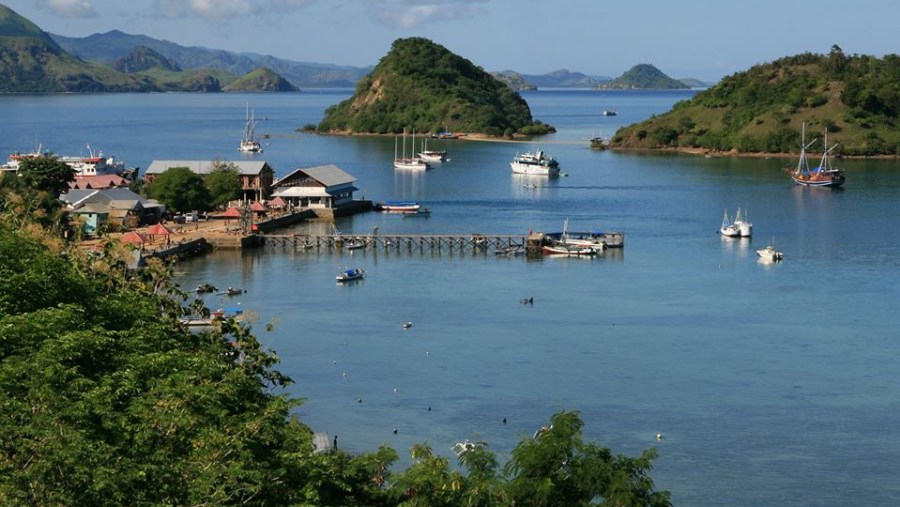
659,436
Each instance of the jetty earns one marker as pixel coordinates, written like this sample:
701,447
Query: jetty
450,242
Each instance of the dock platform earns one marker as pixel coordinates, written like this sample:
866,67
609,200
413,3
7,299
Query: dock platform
450,242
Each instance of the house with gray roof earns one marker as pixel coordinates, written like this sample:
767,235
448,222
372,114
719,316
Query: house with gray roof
321,187
119,206
256,176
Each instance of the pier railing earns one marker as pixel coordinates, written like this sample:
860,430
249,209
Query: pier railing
450,242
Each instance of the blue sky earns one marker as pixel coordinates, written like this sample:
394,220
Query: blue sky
704,39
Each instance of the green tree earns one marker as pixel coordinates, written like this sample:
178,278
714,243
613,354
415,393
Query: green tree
180,190
34,192
106,399
555,467
47,174
223,183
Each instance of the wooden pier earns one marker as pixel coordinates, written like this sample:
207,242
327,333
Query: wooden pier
407,242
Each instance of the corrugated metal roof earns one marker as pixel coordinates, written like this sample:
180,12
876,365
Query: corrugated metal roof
244,167
329,175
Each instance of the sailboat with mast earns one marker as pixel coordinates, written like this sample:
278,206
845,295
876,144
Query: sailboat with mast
249,144
825,175
402,162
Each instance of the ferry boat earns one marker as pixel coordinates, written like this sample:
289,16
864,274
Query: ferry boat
537,163
97,164
94,164
822,176
16,158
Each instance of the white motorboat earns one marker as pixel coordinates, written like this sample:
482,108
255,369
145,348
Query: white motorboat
537,163
769,254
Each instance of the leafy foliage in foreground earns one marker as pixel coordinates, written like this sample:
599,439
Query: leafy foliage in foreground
856,98
420,85
107,400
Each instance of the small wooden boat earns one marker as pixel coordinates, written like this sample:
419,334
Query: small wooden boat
232,291
350,274
203,288
355,244
421,212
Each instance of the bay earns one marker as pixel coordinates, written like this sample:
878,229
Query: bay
769,383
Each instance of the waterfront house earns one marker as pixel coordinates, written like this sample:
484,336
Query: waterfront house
326,189
118,206
256,175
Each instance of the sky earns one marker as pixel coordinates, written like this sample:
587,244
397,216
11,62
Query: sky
703,39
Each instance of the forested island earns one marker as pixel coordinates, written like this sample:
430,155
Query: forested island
419,85
762,110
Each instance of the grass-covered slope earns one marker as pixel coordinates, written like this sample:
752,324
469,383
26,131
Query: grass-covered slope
421,85
260,80
762,110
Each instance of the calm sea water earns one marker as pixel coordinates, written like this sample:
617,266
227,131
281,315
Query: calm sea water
771,384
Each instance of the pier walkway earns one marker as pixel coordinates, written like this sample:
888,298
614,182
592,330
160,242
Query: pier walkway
449,242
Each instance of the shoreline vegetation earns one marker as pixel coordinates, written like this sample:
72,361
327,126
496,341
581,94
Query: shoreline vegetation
762,111
110,399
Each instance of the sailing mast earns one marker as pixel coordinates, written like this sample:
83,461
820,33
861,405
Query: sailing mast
803,163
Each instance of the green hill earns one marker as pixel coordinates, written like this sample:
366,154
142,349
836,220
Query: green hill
30,61
260,80
421,85
143,58
857,98
644,77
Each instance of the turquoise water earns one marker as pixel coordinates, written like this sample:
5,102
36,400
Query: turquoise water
771,384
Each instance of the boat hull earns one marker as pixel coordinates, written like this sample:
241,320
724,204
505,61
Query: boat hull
533,169
833,182
411,164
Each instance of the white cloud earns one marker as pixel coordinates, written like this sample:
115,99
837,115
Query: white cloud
410,13
71,8
214,9
223,9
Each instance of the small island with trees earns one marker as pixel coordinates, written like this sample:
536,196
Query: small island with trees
856,99
422,86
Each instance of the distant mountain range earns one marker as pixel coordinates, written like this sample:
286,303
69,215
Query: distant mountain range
643,76
111,46
32,60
